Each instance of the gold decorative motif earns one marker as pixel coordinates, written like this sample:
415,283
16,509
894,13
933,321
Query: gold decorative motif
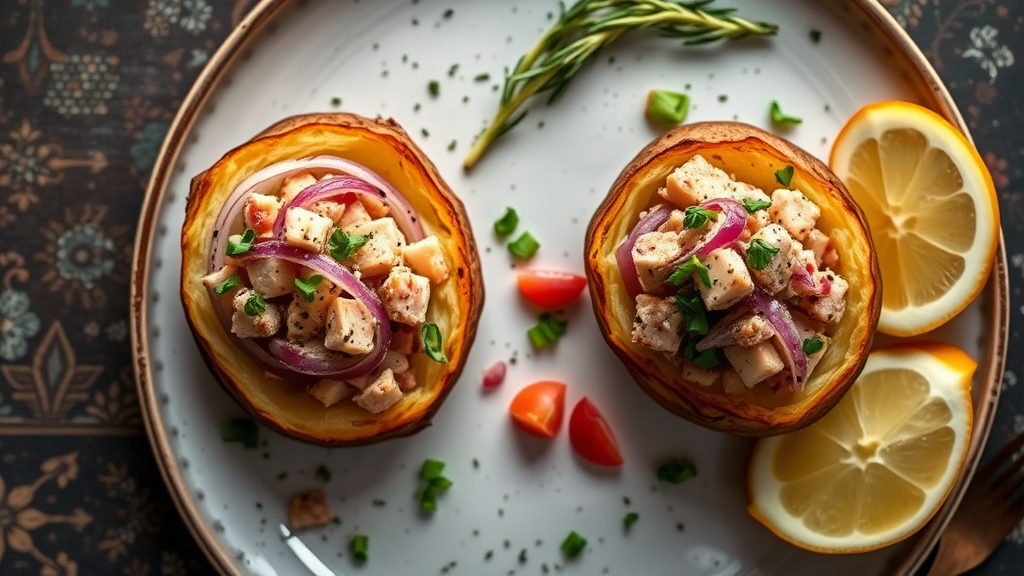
33,69
18,519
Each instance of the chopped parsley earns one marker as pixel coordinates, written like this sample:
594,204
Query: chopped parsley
524,247
815,36
434,87
630,519
573,544
677,470
696,217
784,175
451,145
430,473
432,343
335,101
255,305
812,346
667,107
359,546
753,205
322,474
695,315
689,268
548,330
760,254
704,360
307,288
780,118
242,245
341,246
453,69
233,281
241,430
483,77
506,224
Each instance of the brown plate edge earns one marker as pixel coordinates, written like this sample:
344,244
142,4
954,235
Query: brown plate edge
997,290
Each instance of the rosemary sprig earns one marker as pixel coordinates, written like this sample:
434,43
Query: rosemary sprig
586,27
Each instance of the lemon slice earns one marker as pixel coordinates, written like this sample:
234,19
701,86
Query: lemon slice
877,467
931,208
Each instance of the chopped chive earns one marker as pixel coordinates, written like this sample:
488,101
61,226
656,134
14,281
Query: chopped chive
573,544
667,107
432,343
548,330
359,546
434,88
430,472
753,205
341,246
482,77
242,245
780,118
507,223
812,346
233,281
677,470
431,469
255,305
524,247
760,254
307,288
241,430
784,175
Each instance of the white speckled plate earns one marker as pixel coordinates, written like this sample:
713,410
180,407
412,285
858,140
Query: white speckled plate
511,511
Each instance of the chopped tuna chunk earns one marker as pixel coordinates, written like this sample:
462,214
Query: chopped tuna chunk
214,279
829,305
657,323
354,214
306,319
381,252
329,209
294,184
306,230
406,381
701,376
374,206
308,510
350,327
260,211
261,325
382,394
730,279
426,259
675,222
396,362
776,275
653,255
755,363
404,340
405,296
750,330
731,382
330,392
794,211
696,181
271,277
818,243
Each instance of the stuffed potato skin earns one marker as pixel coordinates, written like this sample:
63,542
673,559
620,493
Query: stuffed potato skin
455,305
753,156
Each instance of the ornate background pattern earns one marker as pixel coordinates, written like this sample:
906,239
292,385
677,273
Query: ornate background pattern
87,91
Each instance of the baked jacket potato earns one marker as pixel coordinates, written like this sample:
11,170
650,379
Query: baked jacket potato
454,305
752,156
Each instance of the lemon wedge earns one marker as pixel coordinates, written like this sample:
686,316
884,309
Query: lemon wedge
931,207
877,467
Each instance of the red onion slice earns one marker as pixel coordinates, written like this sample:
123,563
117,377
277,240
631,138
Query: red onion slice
721,333
495,375
335,367
786,331
624,253
321,190
726,232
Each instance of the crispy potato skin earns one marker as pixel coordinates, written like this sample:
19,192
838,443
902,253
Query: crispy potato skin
753,156
455,304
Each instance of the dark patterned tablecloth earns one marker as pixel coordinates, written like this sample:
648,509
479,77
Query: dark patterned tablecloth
87,91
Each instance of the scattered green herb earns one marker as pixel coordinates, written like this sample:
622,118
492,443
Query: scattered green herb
753,205
341,246
815,36
707,359
448,13
696,217
548,330
677,470
812,346
522,556
695,315
780,118
451,145
378,502
573,544
488,555
630,519
506,224
723,97
453,69
434,88
760,254
242,245
524,247
432,343
233,281
255,304
586,27
335,101
483,77
430,473
322,474
241,430
784,175
307,288
667,107
359,546
687,269
425,132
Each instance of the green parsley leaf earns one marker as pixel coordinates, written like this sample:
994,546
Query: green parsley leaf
812,346
752,205
573,544
667,107
242,245
760,254
524,247
322,474
255,305
705,360
453,69
431,469
359,546
307,288
815,36
548,330
434,87
241,430
233,281
341,246
695,315
452,144
784,175
630,519
335,101
677,470
506,224
779,117
483,77
432,343
696,217
687,269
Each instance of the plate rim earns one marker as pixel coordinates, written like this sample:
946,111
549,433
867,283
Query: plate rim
263,17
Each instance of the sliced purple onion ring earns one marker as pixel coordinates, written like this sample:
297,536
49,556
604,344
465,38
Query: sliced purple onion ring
778,316
624,253
721,334
322,190
726,232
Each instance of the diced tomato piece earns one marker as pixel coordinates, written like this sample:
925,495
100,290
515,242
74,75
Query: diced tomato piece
550,288
591,437
539,408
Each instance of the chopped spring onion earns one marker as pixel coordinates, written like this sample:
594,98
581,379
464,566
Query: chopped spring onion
779,117
548,330
506,224
667,107
359,546
431,473
524,247
573,544
241,430
677,470
322,474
